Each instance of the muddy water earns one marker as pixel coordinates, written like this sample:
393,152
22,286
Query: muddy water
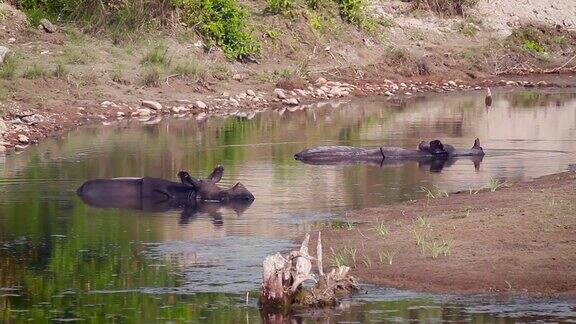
62,260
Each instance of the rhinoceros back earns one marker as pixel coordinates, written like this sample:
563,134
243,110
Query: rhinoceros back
337,153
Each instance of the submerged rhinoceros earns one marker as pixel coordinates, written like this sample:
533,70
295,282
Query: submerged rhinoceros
146,193
348,154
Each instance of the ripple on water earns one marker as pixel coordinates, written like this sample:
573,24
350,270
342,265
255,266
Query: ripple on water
230,264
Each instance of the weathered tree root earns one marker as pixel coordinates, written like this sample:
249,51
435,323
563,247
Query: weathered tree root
283,277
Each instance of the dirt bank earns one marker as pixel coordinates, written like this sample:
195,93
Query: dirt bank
519,239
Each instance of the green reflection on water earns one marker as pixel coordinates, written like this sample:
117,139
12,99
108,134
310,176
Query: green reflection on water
60,255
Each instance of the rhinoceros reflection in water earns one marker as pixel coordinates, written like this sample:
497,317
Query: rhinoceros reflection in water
434,154
157,195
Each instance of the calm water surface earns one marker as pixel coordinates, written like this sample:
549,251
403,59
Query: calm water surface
63,260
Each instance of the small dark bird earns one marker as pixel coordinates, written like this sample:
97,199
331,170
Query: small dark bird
488,99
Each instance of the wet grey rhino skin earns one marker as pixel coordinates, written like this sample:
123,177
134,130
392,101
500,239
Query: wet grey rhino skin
433,150
146,193
135,193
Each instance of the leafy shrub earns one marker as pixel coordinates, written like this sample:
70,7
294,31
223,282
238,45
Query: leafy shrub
221,22
533,46
530,39
352,11
280,6
313,4
121,16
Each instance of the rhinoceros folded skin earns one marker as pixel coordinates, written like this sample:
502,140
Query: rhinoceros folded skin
134,193
338,153
432,150
154,193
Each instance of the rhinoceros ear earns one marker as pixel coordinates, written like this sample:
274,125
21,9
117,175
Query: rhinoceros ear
216,175
477,144
422,146
186,178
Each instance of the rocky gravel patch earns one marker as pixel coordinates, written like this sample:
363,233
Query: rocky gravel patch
21,127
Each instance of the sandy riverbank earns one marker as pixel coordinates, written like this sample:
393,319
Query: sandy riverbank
519,239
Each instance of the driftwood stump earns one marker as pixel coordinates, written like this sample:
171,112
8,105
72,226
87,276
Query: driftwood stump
283,277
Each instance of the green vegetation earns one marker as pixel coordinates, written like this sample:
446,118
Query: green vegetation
345,257
223,23
60,71
431,194
531,39
386,256
495,184
116,73
437,248
338,224
381,229
152,76
156,55
352,11
422,231
120,17
9,68
76,55
34,71
280,6
220,72
533,46
188,68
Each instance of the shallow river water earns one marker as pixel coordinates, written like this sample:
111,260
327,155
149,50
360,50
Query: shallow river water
63,260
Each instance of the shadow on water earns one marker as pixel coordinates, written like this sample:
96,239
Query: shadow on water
61,259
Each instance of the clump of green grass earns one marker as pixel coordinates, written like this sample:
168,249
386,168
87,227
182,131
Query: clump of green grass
222,23
220,72
423,222
386,256
156,55
397,56
495,184
76,55
9,68
60,71
188,68
367,261
437,248
313,4
152,76
420,235
381,229
345,257
116,73
437,193
34,71
345,224
3,94
272,34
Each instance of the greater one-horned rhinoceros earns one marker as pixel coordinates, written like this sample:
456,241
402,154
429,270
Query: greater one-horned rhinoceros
138,193
425,151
